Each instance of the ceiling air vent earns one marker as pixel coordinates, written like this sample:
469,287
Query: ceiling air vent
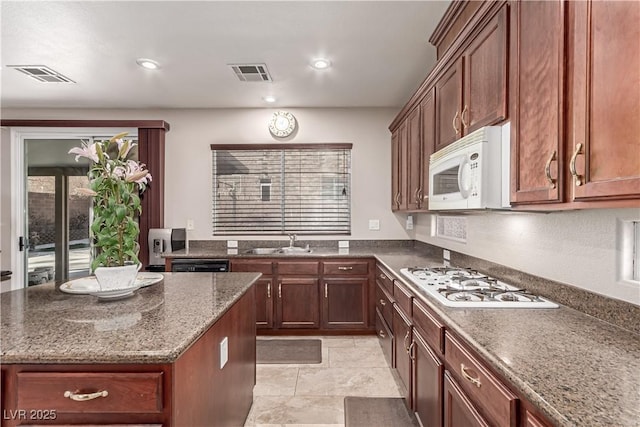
42,73
251,72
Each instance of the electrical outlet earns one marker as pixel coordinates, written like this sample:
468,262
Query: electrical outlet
224,352
409,222
232,243
374,224
190,224
446,255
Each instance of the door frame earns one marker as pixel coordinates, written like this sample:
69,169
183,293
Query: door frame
18,175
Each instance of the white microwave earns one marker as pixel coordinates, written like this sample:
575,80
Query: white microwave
471,173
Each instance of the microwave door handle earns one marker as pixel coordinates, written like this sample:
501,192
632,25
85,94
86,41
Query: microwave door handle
463,177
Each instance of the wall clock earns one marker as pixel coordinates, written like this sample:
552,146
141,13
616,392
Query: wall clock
282,124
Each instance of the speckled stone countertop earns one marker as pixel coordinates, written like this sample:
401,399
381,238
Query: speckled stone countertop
44,325
575,368
578,370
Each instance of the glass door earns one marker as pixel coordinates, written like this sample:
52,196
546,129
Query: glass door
56,241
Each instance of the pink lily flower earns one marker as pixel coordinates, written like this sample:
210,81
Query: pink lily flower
86,151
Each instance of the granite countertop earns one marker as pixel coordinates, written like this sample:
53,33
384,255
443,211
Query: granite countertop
322,252
578,370
44,325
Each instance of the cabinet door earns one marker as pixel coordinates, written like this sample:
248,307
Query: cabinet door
386,338
458,409
297,303
402,333
345,303
536,101
414,159
485,76
605,102
427,375
428,133
264,303
399,168
449,105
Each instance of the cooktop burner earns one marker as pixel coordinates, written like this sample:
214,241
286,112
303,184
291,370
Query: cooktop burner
462,287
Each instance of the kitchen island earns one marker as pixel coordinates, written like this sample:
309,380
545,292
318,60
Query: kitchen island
180,352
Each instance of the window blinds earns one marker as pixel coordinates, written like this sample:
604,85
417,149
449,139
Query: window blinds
302,190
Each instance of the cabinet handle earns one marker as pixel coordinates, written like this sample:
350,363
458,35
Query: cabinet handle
382,334
455,119
463,371
383,302
464,122
80,397
411,347
398,199
572,165
279,290
406,338
416,196
345,268
383,277
547,170
326,290
269,290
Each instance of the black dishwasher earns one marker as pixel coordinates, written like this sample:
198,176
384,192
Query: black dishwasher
179,265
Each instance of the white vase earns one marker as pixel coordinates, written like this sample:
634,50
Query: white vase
122,277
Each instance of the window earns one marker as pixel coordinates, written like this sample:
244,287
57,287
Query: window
277,189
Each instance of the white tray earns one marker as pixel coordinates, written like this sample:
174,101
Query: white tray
89,285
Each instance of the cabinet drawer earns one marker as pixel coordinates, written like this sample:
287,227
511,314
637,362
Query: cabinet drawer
298,267
384,279
429,324
384,304
126,392
252,266
403,297
497,402
346,267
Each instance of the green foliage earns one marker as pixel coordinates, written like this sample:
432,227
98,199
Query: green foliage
117,183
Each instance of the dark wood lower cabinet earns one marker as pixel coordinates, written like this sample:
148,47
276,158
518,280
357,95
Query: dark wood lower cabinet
402,335
345,303
386,338
427,375
297,303
264,302
458,409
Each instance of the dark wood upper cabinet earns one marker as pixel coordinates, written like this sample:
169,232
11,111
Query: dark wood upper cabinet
414,159
428,134
537,84
485,76
603,147
449,94
399,168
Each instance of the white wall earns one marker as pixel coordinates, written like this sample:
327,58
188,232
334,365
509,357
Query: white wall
5,205
582,248
188,186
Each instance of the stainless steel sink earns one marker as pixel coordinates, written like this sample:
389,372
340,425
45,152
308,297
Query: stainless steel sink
283,250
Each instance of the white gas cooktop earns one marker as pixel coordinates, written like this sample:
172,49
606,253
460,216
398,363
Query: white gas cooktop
461,287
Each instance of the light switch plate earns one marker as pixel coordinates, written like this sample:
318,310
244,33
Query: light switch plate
232,243
374,224
343,244
190,224
224,352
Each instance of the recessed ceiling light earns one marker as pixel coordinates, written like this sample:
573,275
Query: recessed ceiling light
321,63
149,64
270,99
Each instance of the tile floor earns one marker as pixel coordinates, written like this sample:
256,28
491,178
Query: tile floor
312,395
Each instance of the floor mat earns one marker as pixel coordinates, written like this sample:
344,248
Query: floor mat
377,411
289,351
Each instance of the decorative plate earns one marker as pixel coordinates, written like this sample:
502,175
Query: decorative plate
115,293
89,285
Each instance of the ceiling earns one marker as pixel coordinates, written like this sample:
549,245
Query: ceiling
379,52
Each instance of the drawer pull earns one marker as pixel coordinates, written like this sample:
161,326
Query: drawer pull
345,268
382,334
269,290
79,397
406,338
383,277
383,302
463,371
279,290
326,290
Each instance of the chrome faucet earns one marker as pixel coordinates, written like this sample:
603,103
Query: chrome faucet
292,240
